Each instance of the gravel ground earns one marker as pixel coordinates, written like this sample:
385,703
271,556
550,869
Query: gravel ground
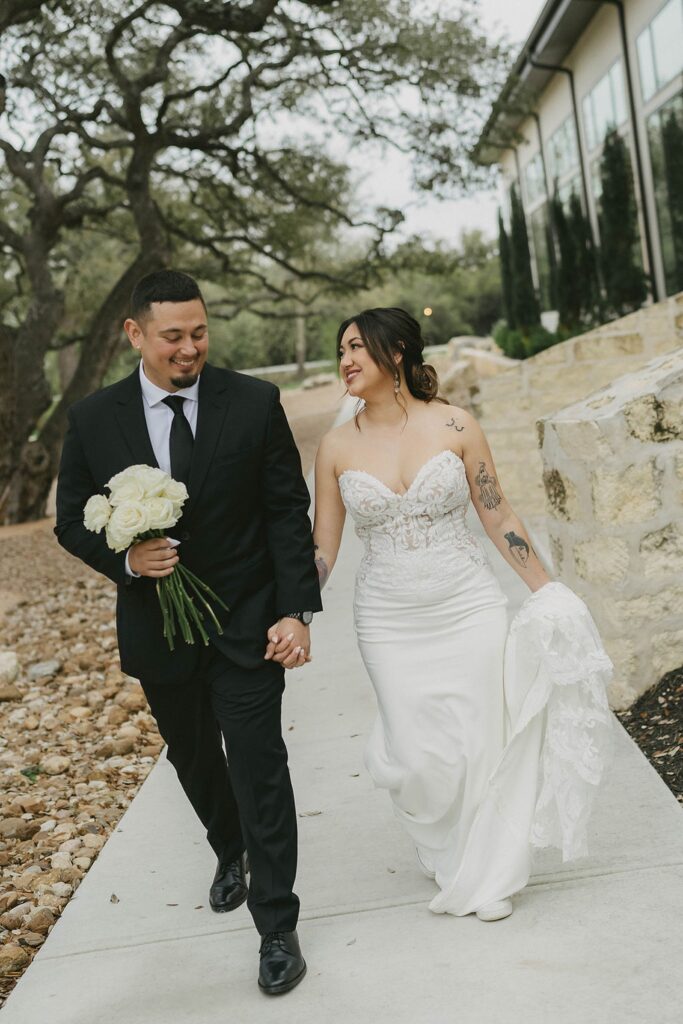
655,722
76,737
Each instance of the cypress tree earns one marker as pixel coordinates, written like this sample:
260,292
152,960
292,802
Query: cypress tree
587,284
623,276
506,272
568,275
553,270
525,303
672,145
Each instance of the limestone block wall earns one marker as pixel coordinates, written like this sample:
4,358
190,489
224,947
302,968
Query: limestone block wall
509,404
613,472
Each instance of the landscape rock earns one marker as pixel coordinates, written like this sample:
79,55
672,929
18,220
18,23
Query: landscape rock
9,667
12,958
55,764
40,920
18,828
44,669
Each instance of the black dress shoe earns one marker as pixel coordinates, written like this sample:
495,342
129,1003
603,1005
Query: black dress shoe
229,888
282,965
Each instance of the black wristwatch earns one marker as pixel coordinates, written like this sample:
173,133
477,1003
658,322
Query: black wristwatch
305,617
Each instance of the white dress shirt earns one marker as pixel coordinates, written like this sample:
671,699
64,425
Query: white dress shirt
159,417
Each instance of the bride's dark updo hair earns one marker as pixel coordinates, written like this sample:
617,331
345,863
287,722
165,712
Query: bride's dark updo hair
387,331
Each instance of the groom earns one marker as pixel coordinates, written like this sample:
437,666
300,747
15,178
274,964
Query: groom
244,531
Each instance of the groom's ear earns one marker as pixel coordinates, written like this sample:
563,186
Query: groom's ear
134,332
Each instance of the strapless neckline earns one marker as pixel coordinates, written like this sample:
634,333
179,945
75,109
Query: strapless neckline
418,476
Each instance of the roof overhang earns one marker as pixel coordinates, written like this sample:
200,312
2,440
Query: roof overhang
557,29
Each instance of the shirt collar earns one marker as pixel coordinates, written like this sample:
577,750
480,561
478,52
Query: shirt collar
153,394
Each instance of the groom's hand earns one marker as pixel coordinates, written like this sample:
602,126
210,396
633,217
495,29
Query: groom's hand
289,643
155,557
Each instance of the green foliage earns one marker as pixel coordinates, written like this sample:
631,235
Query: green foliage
517,344
510,340
507,283
587,281
623,276
569,305
672,144
526,309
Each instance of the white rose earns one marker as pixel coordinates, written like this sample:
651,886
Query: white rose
153,480
161,513
127,522
176,491
96,513
129,473
128,489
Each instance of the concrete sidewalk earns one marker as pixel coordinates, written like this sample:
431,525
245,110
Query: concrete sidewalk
597,942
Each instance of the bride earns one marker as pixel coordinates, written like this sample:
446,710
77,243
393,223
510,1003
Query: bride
467,708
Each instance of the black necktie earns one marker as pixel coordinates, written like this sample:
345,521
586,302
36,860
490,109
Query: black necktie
181,440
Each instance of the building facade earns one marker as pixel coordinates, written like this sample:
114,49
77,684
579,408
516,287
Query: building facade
587,68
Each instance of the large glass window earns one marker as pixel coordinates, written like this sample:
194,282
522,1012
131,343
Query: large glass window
665,133
562,150
534,180
660,49
605,106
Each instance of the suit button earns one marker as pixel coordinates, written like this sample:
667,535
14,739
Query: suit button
184,535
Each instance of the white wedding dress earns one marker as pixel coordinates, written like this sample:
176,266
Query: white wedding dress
490,739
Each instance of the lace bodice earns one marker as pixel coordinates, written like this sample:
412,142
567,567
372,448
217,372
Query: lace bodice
419,538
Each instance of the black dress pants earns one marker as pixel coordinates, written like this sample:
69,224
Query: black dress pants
245,801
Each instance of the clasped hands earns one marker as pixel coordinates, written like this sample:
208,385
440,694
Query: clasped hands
289,643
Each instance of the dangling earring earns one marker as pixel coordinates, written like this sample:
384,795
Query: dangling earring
397,383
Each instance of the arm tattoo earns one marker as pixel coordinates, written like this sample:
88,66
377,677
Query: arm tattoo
519,549
323,571
488,493
452,423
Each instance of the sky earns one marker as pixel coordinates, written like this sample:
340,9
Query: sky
446,220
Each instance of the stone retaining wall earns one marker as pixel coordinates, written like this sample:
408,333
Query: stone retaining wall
613,473
509,404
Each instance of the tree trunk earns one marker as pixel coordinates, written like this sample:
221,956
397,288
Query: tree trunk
300,346
30,458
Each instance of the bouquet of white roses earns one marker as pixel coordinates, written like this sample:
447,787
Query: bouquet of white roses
144,502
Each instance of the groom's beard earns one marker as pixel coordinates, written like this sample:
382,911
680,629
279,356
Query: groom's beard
186,381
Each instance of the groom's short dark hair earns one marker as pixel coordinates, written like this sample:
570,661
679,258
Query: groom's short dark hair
163,286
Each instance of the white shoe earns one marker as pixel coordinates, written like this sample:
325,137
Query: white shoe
495,911
429,872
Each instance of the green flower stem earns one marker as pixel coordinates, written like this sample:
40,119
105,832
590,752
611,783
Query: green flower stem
193,612
179,611
177,597
201,597
203,586
172,624
166,611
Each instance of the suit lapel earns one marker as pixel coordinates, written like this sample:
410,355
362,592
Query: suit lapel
213,406
130,415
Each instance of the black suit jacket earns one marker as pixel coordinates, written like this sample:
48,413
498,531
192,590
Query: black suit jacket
245,528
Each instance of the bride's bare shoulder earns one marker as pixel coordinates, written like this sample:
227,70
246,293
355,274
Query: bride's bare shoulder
453,418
